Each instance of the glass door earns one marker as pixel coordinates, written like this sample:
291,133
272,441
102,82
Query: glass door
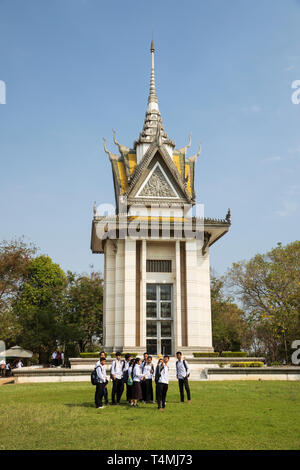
159,319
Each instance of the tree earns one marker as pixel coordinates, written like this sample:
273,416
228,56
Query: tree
15,256
230,329
85,304
269,288
39,306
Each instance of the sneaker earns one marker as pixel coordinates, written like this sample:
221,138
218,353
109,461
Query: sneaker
100,407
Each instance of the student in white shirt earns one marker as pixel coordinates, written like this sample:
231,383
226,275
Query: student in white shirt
137,377
125,367
117,374
101,382
143,364
148,370
182,374
130,381
162,378
2,367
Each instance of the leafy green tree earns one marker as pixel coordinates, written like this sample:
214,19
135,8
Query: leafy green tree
85,308
269,288
39,306
15,256
230,329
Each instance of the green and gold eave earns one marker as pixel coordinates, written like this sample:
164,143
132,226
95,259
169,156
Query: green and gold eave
124,168
111,227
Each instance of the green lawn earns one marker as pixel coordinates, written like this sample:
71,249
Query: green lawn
223,415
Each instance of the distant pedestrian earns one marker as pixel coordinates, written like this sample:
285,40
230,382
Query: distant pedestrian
162,375
19,364
182,374
137,377
2,367
101,382
116,375
148,371
125,367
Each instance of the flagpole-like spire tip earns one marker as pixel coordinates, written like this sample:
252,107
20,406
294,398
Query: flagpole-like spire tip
152,46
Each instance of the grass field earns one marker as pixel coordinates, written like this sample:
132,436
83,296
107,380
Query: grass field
222,415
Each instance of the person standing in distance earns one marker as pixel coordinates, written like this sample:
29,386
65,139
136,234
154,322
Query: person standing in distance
116,374
162,377
101,382
182,374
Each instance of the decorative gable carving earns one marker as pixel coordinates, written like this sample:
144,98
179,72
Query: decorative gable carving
157,185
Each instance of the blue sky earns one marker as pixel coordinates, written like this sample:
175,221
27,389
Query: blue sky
75,69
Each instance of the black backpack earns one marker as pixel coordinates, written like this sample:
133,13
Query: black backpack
125,373
157,373
94,376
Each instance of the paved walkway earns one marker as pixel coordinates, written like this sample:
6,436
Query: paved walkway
7,380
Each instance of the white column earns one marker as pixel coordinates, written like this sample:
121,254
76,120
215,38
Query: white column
129,294
109,296
177,299
119,295
143,295
204,299
198,297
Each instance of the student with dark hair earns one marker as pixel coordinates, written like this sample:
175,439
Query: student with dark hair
182,374
148,371
162,377
116,374
101,382
125,367
130,381
143,364
156,376
137,377
103,355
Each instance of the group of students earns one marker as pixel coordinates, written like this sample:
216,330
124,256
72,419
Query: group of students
6,367
138,375
57,359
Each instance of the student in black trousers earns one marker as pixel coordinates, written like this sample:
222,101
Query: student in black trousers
148,371
183,373
117,374
101,382
162,377
103,354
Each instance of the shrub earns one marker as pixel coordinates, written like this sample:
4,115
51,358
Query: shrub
247,364
97,354
206,354
90,354
234,354
123,354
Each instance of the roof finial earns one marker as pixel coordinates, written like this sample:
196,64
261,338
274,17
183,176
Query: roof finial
152,95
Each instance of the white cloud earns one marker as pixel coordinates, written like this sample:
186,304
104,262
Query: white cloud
288,208
289,68
276,158
252,109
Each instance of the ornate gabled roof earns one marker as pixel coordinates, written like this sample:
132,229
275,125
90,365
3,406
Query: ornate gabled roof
142,169
132,164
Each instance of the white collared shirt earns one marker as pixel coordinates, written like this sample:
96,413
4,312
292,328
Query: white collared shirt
180,369
101,372
137,373
164,374
125,365
116,368
148,371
